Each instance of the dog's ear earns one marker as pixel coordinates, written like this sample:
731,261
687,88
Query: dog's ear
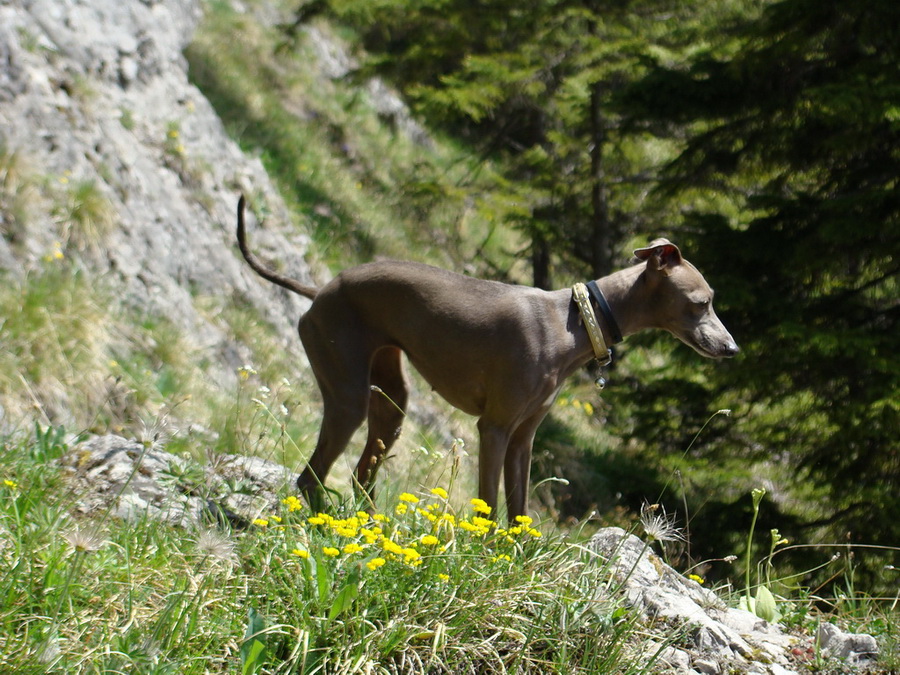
660,254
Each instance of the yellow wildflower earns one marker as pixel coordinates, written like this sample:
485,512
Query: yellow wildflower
444,577
430,540
480,506
439,492
11,484
697,578
300,553
409,498
292,503
375,563
392,547
260,522
352,548
315,520
525,520
330,551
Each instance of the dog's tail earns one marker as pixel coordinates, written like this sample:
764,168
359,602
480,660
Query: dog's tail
263,271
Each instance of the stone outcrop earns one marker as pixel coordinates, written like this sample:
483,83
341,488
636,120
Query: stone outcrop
133,480
97,92
718,639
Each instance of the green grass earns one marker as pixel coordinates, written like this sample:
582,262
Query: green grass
362,188
427,587
428,584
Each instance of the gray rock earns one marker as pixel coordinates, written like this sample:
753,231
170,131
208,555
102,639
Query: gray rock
134,481
91,92
724,639
853,648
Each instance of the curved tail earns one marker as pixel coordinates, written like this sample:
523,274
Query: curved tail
258,267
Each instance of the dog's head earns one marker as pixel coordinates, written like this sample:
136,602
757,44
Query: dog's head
682,301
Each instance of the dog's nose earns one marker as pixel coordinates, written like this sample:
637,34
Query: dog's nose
730,349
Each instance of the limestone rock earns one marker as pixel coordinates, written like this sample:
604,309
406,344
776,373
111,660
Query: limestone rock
134,481
723,639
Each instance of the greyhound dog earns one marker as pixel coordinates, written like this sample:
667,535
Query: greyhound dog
497,351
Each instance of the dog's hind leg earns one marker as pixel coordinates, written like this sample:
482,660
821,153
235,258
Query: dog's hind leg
387,408
341,368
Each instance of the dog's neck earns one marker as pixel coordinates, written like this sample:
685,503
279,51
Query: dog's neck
620,290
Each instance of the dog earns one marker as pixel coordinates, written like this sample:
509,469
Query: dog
498,351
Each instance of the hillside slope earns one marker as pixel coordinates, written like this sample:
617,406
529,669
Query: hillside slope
112,163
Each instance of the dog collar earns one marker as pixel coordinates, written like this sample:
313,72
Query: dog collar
598,297
602,353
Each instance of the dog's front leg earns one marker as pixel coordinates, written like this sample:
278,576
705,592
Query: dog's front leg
494,440
517,466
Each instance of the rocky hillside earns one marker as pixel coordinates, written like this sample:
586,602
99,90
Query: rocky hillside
111,160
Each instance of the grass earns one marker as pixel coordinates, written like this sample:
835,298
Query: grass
428,584
426,587
364,189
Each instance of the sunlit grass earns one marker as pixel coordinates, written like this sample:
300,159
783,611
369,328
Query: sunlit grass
422,586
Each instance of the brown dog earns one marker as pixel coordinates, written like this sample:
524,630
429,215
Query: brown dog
494,350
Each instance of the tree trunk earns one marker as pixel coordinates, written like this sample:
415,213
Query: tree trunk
600,235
